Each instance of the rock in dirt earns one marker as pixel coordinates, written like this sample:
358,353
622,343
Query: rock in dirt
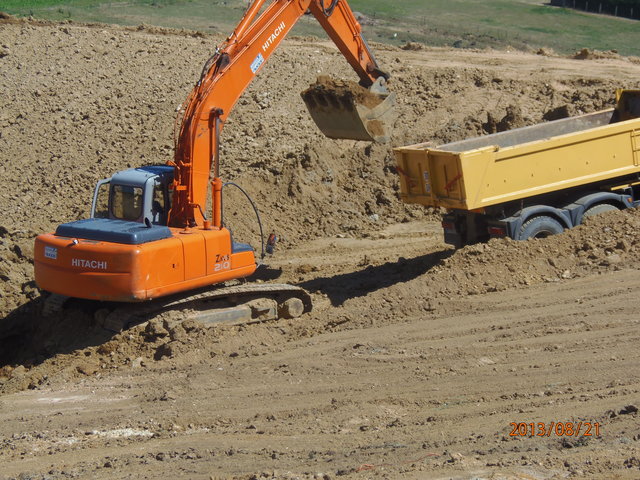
589,54
629,409
87,368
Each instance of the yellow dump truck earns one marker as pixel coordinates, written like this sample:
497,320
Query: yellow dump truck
529,182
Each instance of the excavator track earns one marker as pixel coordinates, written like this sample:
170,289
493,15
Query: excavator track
53,303
230,305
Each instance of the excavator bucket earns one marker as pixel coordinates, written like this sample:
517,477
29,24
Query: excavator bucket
346,110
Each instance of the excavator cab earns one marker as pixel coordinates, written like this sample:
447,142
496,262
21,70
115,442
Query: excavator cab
135,195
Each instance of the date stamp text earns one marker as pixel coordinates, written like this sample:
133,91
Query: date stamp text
558,429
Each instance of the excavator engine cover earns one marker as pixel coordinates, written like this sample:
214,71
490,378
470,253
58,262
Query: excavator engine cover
345,110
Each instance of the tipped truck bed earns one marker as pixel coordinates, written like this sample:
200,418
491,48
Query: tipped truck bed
524,162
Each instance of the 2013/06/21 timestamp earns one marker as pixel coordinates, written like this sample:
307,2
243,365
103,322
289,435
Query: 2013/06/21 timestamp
558,429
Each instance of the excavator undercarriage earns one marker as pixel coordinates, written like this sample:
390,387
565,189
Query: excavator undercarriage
242,303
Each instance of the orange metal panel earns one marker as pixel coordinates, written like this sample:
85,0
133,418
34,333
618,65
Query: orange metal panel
163,262
118,272
218,246
202,281
242,259
87,269
195,259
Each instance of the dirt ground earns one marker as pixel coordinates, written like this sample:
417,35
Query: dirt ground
416,359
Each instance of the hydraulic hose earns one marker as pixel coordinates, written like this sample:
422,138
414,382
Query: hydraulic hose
255,209
329,11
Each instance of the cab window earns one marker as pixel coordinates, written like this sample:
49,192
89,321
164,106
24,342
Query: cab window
126,202
158,204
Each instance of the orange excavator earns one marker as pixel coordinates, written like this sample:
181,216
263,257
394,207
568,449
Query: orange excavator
149,236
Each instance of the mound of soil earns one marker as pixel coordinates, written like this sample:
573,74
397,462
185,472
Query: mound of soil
605,242
6,18
589,54
512,119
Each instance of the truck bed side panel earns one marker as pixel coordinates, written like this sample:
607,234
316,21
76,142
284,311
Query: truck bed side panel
490,174
554,165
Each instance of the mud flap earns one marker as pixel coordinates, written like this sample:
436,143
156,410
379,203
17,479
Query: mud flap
345,110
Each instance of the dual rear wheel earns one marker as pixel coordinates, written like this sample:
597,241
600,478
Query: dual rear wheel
542,226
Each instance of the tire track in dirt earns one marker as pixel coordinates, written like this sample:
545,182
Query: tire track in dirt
384,394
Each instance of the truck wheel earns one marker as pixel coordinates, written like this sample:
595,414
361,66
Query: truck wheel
540,227
598,209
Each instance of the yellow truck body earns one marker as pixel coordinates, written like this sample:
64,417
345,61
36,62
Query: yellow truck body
480,172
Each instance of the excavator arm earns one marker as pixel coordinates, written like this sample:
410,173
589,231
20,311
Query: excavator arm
229,72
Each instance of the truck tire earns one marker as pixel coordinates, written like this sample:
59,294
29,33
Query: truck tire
598,209
539,227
